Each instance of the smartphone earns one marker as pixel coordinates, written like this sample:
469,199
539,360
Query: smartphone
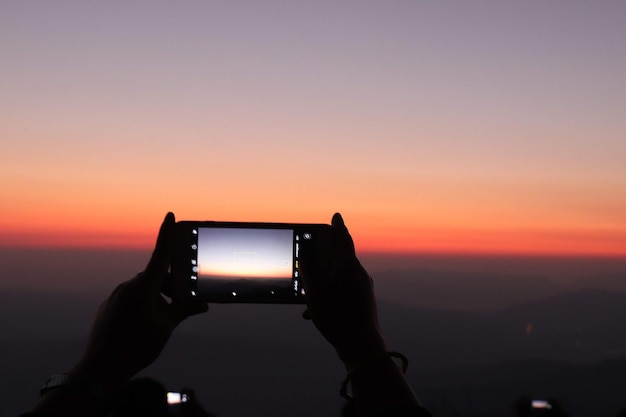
176,398
541,404
237,262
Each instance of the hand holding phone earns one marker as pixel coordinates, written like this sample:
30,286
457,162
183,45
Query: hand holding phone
340,296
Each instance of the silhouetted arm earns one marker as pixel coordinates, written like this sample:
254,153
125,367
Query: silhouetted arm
340,301
129,332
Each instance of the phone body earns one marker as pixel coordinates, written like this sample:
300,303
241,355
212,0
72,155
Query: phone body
541,404
241,262
174,398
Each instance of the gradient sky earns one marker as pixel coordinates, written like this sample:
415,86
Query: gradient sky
481,126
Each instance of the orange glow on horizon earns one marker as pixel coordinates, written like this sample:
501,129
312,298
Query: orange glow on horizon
387,212
436,220
410,240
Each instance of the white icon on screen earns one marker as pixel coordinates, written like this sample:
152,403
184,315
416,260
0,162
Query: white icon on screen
194,246
194,231
194,277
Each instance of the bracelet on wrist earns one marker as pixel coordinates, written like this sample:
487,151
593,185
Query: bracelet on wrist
88,388
344,385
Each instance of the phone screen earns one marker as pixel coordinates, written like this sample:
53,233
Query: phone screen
245,262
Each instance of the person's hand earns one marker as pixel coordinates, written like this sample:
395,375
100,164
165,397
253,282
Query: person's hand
340,301
133,325
340,296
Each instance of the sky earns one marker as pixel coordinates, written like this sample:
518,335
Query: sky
434,127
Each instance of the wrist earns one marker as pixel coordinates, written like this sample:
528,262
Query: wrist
66,394
361,349
375,365
110,378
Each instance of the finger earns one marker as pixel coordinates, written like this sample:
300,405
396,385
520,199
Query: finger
337,220
180,310
159,263
343,241
160,255
167,288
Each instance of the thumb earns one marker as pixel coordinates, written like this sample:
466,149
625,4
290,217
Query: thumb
180,310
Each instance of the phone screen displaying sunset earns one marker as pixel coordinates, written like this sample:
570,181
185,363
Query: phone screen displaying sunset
230,253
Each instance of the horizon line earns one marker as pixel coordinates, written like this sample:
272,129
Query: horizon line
401,253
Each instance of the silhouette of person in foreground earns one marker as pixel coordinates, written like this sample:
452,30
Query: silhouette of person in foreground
191,407
133,325
147,397
141,397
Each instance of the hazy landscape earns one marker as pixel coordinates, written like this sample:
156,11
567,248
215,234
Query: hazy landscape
479,332
433,127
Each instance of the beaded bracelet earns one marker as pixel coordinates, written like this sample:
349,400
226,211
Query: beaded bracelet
86,387
344,385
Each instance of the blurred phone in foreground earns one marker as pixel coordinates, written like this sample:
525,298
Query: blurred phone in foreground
237,262
176,398
539,408
176,401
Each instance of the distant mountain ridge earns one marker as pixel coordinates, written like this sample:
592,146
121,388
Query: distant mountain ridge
488,290
579,327
583,326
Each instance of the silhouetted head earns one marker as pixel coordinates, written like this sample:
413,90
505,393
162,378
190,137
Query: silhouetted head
348,409
142,397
